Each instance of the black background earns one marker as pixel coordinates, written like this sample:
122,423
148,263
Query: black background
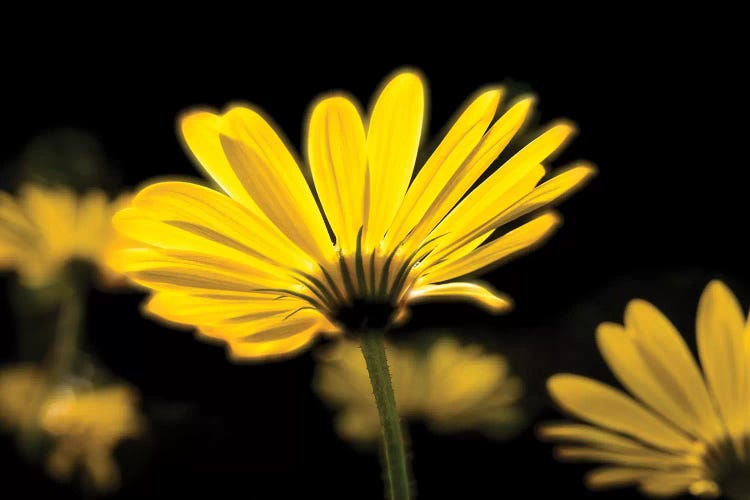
660,108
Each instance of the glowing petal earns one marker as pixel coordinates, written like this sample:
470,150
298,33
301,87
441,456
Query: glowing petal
274,180
481,295
392,141
499,250
437,172
337,152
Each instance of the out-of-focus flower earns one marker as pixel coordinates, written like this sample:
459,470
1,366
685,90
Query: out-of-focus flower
449,386
86,428
44,228
21,386
84,424
682,430
255,265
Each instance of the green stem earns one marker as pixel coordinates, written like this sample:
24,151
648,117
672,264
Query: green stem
68,334
60,357
397,473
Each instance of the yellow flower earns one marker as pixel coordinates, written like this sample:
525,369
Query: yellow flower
449,386
86,428
21,386
260,267
682,429
44,228
85,424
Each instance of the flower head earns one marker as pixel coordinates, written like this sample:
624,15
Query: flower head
260,266
84,423
42,229
682,429
449,386
86,428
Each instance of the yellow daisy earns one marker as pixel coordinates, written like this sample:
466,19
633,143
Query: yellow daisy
21,386
86,428
85,424
682,429
261,267
44,228
451,387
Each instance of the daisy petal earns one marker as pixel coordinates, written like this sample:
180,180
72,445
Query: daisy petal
482,295
337,153
193,309
457,145
602,405
644,458
270,174
215,216
590,436
720,334
200,131
671,364
483,155
291,338
392,141
513,243
654,387
615,477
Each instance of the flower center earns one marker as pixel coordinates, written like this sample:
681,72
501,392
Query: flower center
730,469
362,314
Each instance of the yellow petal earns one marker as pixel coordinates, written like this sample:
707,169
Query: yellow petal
644,458
185,272
548,193
200,130
296,336
337,153
669,360
480,206
217,217
271,176
652,386
203,310
602,405
482,295
392,142
589,436
667,484
513,243
486,152
721,345
615,477
437,172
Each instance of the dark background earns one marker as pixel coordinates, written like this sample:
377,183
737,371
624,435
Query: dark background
658,107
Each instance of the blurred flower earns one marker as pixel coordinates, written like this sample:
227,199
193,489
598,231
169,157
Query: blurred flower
86,428
44,228
449,386
255,266
20,387
84,424
683,430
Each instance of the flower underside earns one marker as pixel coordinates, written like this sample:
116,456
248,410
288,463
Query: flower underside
263,268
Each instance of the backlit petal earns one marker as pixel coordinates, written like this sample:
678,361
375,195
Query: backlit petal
481,295
337,153
393,137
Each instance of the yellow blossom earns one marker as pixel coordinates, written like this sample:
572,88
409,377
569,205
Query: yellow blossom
84,424
261,267
681,429
449,386
43,228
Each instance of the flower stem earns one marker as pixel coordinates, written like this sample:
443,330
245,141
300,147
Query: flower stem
373,350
